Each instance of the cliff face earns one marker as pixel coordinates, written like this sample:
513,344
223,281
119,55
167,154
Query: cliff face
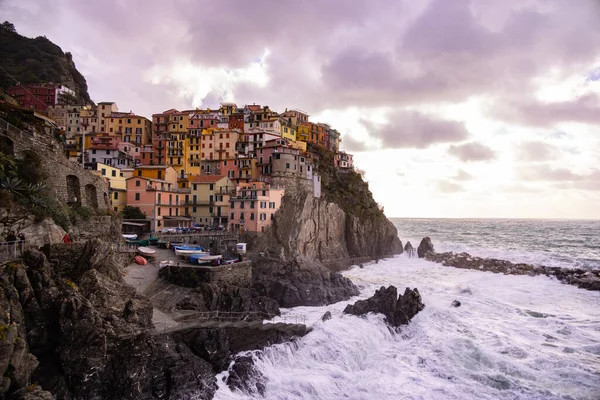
312,228
37,61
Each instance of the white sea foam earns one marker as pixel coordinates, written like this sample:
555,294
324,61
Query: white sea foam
514,337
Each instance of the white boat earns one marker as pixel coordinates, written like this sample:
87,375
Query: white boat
167,264
128,236
187,253
146,251
204,259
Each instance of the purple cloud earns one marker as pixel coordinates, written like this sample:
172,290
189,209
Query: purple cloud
408,129
472,151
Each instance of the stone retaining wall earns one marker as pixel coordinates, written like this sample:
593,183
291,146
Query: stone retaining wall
68,180
238,274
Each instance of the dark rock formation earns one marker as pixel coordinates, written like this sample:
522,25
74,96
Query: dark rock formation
582,278
326,316
398,310
91,336
294,284
456,303
425,247
244,376
408,247
38,60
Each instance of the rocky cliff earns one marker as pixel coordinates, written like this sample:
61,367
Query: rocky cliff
37,61
72,329
309,228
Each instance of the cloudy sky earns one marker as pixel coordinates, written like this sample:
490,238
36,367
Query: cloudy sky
453,108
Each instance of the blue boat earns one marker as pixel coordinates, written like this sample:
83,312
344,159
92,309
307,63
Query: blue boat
187,247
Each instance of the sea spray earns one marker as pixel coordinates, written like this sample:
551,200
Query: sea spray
513,336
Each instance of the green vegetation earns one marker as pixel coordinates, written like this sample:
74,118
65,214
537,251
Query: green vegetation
130,212
37,61
347,189
4,328
71,284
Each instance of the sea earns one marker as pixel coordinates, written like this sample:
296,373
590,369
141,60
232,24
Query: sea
513,337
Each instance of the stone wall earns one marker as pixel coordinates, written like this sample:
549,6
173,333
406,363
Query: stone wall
68,180
238,274
103,227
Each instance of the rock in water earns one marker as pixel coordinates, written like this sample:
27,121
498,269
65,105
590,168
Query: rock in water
425,247
456,303
408,247
398,310
245,377
326,316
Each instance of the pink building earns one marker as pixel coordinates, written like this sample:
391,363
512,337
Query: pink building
343,160
161,201
253,207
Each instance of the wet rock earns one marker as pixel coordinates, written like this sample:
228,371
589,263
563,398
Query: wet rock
398,310
456,303
584,279
326,316
295,283
425,247
244,376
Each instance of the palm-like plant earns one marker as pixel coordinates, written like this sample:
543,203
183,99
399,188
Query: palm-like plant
13,185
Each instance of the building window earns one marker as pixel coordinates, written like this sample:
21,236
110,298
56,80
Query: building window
137,183
241,216
137,197
211,186
103,171
114,173
272,217
241,204
251,216
139,173
116,196
158,211
287,165
232,215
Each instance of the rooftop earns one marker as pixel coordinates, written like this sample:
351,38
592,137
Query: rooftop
206,178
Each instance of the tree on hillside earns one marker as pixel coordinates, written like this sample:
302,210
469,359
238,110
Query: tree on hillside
8,26
130,212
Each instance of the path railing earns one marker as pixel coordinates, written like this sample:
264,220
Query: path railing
10,251
233,316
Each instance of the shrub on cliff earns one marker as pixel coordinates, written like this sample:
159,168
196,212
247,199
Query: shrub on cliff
346,188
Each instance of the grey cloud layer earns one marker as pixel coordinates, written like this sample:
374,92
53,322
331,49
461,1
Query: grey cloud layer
327,54
409,129
472,152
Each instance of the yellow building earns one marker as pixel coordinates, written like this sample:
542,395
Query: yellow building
163,172
116,184
209,199
303,133
288,130
131,128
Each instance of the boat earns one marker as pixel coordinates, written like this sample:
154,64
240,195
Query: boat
146,251
230,261
129,236
187,253
154,241
138,242
167,264
204,258
140,260
186,247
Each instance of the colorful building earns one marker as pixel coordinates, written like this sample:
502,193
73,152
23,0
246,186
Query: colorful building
253,207
208,203
40,96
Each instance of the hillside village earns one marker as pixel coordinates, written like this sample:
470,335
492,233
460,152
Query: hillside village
226,168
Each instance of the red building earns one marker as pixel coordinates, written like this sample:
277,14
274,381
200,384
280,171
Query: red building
38,95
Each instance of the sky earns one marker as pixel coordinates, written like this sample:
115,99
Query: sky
454,109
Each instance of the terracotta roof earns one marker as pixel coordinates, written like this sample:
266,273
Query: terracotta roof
206,178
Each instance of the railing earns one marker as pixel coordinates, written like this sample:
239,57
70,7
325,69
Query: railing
124,247
10,251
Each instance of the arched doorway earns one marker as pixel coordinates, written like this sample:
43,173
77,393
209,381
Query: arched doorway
91,196
73,191
7,146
